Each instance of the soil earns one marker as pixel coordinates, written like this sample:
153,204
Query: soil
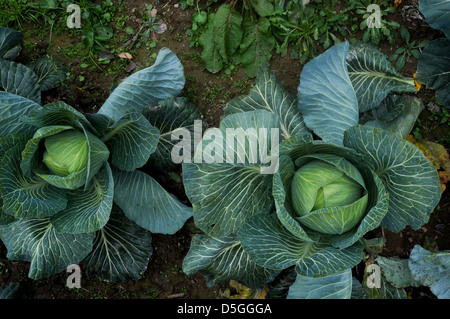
164,278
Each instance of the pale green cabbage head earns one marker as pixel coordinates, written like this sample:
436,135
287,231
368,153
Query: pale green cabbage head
329,199
66,153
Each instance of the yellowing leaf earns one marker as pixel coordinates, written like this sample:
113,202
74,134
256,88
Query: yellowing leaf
247,293
437,155
418,85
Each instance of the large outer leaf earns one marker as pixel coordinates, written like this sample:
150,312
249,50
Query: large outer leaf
269,94
50,72
270,245
12,108
170,115
335,286
373,76
227,31
146,87
8,40
432,268
131,139
121,250
433,69
224,194
326,97
87,210
36,241
224,259
57,113
437,14
27,197
410,179
145,202
256,46
19,79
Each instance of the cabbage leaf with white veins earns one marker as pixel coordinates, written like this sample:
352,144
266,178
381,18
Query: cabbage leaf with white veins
72,186
433,68
312,212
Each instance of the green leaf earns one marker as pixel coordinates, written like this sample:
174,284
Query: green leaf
19,79
389,109
397,272
87,210
169,116
385,291
50,72
121,250
256,46
378,203
220,259
404,122
12,109
373,76
146,87
9,39
410,179
335,286
57,113
263,8
433,69
12,291
131,140
279,288
27,197
98,154
437,14
326,97
269,94
37,241
431,268
145,202
225,190
211,56
270,245
282,194
227,31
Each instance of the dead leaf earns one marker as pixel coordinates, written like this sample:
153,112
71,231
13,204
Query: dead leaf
438,156
125,55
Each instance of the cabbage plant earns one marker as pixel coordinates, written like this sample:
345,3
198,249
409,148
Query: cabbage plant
338,178
74,186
